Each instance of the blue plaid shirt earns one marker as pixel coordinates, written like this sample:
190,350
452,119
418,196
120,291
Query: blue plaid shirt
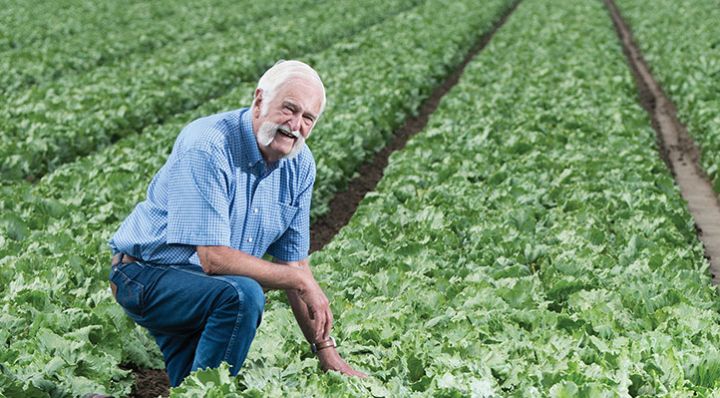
216,189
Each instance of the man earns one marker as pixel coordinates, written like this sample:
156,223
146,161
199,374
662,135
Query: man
237,186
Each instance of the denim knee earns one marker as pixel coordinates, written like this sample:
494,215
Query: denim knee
249,295
253,301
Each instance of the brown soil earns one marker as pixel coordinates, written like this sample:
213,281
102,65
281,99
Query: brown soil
149,383
676,147
153,382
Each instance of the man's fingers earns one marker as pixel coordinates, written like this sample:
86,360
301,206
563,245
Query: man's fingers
353,372
335,363
360,374
347,370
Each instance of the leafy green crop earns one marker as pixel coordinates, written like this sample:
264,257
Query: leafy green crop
62,257
42,42
54,123
684,55
529,243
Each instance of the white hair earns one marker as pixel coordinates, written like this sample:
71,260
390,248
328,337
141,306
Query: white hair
280,73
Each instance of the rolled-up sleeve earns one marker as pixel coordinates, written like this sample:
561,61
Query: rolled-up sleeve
198,202
294,243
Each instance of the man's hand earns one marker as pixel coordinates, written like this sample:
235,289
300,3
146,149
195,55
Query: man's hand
318,306
331,360
312,312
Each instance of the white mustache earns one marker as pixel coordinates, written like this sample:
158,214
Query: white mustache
286,130
269,130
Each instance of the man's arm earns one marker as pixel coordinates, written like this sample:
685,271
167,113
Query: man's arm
313,330
229,261
224,260
328,357
309,304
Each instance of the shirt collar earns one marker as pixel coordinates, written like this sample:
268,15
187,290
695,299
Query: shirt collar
250,154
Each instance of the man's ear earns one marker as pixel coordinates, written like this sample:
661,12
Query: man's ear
257,102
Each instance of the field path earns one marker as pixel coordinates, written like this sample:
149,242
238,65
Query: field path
677,147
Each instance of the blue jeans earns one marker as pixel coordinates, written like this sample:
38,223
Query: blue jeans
198,320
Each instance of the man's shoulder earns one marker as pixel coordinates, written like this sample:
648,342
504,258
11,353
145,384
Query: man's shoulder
211,132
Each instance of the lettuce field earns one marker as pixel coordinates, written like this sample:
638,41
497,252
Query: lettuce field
532,238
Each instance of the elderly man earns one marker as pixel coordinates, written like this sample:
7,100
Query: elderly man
187,261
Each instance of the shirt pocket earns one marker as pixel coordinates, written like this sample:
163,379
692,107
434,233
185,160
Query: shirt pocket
280,218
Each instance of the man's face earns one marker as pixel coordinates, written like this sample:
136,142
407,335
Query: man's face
291,115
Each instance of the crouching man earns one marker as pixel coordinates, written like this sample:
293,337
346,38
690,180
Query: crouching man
187,262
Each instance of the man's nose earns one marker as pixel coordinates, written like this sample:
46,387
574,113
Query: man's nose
295,122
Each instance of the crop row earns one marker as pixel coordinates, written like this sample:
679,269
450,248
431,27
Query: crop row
684,55
372,87
27,24
529,242
73,41
60,267
21,26
54,123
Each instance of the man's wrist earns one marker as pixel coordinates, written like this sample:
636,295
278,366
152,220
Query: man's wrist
300,281
322,345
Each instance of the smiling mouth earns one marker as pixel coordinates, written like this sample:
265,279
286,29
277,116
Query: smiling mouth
287,133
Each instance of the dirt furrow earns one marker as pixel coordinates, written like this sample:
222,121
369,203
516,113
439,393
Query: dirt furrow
677,148
154,382
343,205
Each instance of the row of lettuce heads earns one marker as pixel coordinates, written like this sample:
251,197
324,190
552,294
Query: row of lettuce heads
29,208
54,123
64,335
529,242
685,58
586,267
42,41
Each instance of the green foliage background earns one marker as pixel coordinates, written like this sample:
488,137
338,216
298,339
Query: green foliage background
528,243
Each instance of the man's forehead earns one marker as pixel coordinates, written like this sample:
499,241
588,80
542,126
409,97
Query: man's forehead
301,84
301,92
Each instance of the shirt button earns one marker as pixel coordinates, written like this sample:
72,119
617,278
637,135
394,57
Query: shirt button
255,210
249,240
249,164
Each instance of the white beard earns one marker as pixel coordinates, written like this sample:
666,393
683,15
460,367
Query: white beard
268,130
